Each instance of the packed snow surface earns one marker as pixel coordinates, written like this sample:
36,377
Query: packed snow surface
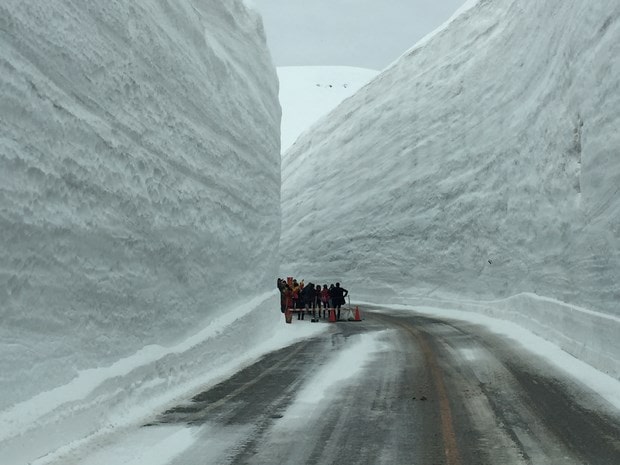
139,195
484,163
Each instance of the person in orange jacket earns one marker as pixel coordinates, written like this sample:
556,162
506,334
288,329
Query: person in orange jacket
295,290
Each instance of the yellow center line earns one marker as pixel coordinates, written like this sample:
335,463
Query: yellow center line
451,449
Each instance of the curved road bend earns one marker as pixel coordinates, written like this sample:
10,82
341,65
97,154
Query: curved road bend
438,393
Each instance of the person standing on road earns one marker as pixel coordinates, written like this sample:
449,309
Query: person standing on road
307,298
325,299
316,304
295,294
338,294
284,296
288,297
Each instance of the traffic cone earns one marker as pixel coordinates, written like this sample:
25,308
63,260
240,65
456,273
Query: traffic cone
332,315
358,317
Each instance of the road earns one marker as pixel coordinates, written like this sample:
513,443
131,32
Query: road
435,393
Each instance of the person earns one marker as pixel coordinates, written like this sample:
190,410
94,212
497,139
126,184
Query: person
284,299
338,294
317,300
288,297
331,301
325,299
295,294
307,297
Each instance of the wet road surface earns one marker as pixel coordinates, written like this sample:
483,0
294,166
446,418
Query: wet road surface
437,393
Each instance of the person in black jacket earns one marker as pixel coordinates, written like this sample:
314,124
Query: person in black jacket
338,294
307,298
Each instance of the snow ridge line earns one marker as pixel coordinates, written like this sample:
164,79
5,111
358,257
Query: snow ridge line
529,295
468,5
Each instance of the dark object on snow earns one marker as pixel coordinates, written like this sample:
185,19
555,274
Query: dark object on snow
338,294
307,295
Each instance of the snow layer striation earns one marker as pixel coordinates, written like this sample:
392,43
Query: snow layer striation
482,164
139,178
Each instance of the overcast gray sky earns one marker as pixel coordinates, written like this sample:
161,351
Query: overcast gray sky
363,33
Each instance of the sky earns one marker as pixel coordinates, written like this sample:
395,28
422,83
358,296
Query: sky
309,92
361,33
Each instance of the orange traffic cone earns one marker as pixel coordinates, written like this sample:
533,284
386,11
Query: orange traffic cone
332,315
358,317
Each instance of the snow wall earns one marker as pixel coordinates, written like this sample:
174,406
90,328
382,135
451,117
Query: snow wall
483,165
139,182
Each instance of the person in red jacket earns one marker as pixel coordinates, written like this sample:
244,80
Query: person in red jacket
325,299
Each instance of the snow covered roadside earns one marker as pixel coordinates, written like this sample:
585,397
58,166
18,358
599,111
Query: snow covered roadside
143,447
101,400
581,342
210,443
139,182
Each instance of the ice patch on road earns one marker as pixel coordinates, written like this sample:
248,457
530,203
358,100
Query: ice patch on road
470,354
347,364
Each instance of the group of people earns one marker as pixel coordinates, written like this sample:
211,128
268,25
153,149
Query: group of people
306,298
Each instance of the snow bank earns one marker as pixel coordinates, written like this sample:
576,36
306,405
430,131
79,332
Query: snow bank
484,164
107,400
139,184
603,383
586,335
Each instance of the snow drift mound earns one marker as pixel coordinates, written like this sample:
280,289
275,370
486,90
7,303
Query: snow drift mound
484,163
139,178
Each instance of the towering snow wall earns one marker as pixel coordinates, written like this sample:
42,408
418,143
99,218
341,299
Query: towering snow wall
483,164
139,178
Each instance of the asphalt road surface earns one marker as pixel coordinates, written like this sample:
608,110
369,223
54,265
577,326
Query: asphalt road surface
439,392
